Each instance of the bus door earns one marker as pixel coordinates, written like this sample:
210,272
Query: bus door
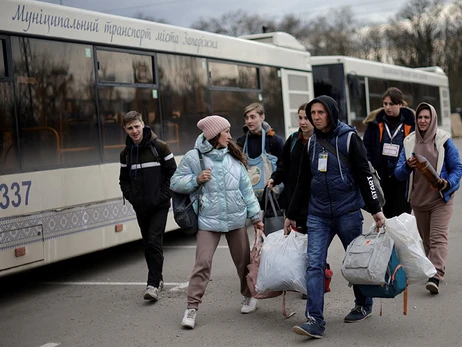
297,89
20,243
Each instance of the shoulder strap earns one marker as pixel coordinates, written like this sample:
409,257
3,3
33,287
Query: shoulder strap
154,152
293,140
201,159
332,150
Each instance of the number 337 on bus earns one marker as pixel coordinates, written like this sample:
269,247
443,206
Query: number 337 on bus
15,195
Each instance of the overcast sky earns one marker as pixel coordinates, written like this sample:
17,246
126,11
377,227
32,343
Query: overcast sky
185,12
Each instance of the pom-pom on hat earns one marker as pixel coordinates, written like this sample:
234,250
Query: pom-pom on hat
211,126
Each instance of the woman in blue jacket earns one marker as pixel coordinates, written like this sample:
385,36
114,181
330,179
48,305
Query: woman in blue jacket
226,201
432,208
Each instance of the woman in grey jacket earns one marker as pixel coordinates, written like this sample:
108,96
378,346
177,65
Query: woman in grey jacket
226,201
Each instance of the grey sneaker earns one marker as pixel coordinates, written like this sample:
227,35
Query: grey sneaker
161,285
151,293
189,318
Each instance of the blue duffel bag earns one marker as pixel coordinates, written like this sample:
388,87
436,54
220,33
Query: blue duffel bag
395,281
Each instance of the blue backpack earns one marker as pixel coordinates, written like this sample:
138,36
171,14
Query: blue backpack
395,281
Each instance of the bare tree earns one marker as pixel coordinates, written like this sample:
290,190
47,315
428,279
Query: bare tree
333,34
141,15
413,35
233,23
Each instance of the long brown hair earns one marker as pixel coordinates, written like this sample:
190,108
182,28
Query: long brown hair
233,149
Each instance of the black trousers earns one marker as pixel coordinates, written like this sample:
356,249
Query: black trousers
395,197
152,225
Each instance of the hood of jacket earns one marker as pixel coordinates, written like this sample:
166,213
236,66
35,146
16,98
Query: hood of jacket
432,127
332,110
265,126
376,116
204,146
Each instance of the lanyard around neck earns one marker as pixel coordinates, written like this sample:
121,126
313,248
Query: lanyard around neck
395,133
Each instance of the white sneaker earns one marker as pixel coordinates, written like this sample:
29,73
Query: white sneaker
189,318
151,293
249,305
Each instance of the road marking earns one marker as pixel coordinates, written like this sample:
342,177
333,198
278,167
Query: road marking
108,284
179,287
187,247
50,344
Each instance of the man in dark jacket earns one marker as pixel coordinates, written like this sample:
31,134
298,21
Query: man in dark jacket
146,166
337,194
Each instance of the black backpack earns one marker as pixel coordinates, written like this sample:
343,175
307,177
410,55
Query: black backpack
183,210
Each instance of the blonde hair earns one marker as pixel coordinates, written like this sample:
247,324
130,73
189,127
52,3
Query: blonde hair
255,106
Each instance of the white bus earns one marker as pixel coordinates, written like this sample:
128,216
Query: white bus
67,77
358,85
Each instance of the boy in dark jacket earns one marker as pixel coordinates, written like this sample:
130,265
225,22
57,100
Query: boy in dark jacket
146,166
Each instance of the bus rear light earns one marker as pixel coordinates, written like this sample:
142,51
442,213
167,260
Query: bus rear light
119,227
19,252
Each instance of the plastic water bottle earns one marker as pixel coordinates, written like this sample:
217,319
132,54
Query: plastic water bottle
427,170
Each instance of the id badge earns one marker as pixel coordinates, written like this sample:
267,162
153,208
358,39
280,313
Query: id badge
390,149
322,162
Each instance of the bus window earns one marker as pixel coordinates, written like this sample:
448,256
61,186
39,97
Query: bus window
330,80
230,105
183,95
124,68
233,76
272,99
55,104
2,59
8,147
357,95
114,103
376,89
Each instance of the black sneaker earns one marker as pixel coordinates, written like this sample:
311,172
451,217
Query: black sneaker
358,314
433,285
310,328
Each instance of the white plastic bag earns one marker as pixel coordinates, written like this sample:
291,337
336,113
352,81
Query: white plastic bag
283,263
403,229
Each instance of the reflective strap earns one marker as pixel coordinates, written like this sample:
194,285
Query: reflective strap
123,165
145,165
168,157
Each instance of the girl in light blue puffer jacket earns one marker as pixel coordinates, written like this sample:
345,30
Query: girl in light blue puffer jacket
226,201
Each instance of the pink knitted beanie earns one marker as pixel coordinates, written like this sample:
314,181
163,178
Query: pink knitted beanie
211,126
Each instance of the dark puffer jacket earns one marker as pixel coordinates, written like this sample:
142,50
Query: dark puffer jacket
144,179
375,136
339,190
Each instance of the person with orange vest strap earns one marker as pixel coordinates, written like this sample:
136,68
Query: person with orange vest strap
386,129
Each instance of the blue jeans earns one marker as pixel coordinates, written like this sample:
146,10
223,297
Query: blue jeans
321,231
